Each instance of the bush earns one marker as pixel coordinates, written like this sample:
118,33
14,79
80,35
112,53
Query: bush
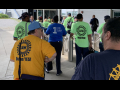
4,16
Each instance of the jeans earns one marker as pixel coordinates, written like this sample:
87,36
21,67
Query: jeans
58,48
101,46
80,52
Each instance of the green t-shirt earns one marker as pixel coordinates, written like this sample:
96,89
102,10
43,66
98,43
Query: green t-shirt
81,30
66,21
21,30
50,23
45,24
40,22
49,20
100,30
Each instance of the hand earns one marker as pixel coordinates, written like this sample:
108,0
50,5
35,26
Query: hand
46,60
90,46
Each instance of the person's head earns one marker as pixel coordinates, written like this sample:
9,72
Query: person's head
35,29
64,18
31,18
55,19
51,20
75,18
107,17
49,17
45,19
93,16
69,14
40,18
25,17
79,17
111,33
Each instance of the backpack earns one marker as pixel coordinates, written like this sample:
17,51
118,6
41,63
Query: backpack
69,24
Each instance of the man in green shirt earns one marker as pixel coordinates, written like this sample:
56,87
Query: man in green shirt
100,32
21,29
49,20
69,18
45,23
83,42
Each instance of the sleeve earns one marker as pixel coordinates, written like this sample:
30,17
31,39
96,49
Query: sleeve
72,19
64,31
89,31
12,54
15,33
82,71
64,23
73,28
48,30
99,29
47,49
91,21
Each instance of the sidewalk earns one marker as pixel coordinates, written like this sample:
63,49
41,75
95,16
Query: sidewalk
6,43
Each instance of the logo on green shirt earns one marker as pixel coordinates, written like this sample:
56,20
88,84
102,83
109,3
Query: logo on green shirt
20,31
81,30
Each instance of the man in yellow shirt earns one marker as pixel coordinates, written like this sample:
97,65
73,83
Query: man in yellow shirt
33,53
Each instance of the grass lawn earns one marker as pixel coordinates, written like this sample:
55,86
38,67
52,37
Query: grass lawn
13,19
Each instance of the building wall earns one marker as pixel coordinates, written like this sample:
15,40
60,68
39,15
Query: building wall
99,13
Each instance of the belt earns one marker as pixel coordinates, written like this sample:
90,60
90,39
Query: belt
57,41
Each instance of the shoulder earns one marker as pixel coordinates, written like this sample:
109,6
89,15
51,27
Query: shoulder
101,25
93,58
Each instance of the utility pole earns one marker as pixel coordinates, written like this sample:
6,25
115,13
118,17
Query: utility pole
6,11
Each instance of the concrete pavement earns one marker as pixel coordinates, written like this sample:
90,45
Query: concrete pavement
7,27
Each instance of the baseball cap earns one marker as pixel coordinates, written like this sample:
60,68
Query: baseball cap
35,25
69,14
107,17
25,14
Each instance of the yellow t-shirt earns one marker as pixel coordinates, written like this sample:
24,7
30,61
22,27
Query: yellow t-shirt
33,52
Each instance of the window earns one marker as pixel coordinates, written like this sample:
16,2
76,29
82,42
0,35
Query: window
116,14
40,12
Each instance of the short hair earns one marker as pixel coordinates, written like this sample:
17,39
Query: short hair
31,32
79,16
55,18
113,25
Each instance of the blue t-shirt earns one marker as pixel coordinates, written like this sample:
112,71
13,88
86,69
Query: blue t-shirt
99,66
56,31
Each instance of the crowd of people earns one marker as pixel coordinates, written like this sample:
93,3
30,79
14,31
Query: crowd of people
36,54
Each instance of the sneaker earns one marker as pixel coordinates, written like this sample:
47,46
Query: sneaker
59,74
47,71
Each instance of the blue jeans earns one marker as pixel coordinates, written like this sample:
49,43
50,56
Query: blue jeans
80,52
101,47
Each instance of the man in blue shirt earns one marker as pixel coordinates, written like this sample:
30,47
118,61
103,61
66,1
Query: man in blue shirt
56,32
104,65
32,19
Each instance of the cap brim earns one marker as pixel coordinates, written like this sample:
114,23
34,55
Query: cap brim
19,17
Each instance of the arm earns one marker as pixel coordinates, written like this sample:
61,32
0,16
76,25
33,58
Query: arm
90,41
48,30
50,59
48,51
15,38
64,31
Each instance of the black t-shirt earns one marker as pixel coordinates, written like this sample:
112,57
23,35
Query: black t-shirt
99,66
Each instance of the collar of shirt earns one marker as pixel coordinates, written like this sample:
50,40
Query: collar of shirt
32,21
